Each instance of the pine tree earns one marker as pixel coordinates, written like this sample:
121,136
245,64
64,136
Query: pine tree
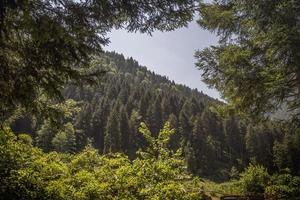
97,127
64,140
124,130
154,116
175,138
135,139
112,132
144,103
45,135
190,158
184,127
233,138
256,63
259,144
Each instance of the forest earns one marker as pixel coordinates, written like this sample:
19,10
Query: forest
81,123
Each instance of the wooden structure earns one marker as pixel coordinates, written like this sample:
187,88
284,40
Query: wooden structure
245,197
233,197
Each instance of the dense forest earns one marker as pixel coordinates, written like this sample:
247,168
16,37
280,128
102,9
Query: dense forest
77,122
108,116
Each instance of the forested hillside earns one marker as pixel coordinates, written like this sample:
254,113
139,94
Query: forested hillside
108,116
80,123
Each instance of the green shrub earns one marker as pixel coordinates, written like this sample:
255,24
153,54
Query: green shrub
254,179
158,174
284,187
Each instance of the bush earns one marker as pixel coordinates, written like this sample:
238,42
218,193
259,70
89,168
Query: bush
284,187
254,179
28,173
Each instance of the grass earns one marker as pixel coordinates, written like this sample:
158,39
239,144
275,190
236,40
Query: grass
216,190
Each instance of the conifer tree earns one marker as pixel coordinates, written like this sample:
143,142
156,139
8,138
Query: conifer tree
190,158
67,34
112,132
45,135
135,140
64,140
176,137
154,116
255,66
233,137
124,130
184,127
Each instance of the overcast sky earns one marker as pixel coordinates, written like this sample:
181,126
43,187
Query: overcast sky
167,53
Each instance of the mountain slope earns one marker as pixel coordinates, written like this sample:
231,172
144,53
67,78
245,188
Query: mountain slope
132,94
108,116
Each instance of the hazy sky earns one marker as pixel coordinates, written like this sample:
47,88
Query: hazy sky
167,53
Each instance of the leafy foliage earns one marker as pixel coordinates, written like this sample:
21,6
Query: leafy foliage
28,173
256,64
47,44
283,187
254,179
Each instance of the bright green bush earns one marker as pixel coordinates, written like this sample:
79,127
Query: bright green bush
254,179
157,174
284,187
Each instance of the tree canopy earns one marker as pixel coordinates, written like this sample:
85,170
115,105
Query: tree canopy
46,44
256,65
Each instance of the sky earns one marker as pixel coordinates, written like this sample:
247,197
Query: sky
167,53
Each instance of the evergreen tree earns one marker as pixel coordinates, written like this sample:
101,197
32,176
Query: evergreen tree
144,104
259,144
184,127
67,35
112,132
287,149
154,116
45,135
136,141
256,64
124,130
64,140
233,137
175,138
190,158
